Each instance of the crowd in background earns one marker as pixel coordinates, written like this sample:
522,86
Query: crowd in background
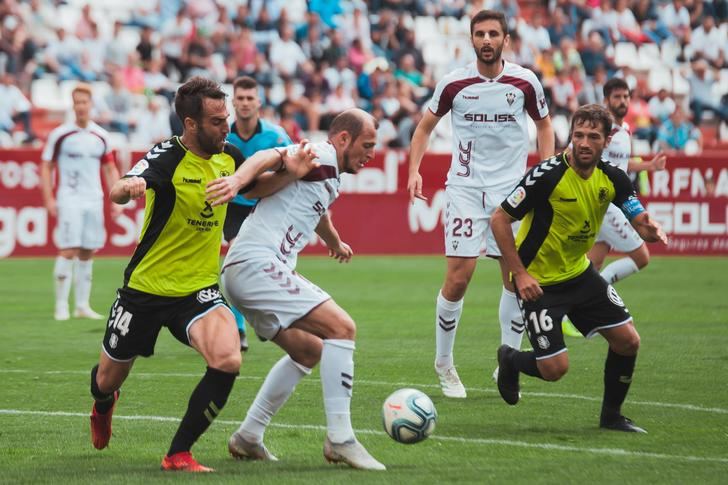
317,58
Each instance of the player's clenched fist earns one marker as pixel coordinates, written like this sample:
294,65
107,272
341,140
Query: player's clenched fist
135,187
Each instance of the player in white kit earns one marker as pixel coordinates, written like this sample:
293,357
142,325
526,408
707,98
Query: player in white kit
616,232
282,306
79,151
489,101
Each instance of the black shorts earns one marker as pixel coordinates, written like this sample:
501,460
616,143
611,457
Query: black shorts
234,218
591,304
136,318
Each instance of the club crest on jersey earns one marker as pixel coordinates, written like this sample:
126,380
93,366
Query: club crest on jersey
516,197
208,294
510,97
113,341
455,245
207,212
603,194
224,173
613,296
139,168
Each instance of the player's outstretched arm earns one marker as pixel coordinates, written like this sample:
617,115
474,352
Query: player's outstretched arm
657,163
222,189
649,230
127,189
338,249
418,146
528,287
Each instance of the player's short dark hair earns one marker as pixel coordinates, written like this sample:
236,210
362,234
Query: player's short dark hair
594,114
614,84
351,121
189,97
489,15
245,82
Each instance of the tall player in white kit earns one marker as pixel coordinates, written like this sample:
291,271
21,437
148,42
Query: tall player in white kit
79,151
282,306
489,101
616,232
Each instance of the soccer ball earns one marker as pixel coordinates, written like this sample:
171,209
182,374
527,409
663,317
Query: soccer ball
409,416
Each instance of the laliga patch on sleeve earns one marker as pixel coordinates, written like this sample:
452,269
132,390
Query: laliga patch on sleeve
139,168
516,197
632,207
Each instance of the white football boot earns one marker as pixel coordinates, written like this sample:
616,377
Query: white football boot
87,312
243,449
450,382
352,453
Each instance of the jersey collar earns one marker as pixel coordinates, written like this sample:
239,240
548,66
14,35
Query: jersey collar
258,129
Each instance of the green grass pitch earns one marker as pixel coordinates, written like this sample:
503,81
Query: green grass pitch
679,393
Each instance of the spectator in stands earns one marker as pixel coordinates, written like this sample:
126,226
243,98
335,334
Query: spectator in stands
661,106
341,73
156,82
408,72
133,74
152,123
199,55
115,107
678,134
85,23
509,8
327,10
567,56
638,118
335,49
63,58
176,33
14,107
593,55
243,51
702,99
676,18
520,53
645,13
386,132
605,20
286,56
709,43
287,115
358,55
408,46
356,25
146,48
535,34
593,90
372,81
560,28
94,51
563,94
627,25
337,102
313,46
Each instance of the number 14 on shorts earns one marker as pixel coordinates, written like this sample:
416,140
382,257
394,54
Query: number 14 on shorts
120,320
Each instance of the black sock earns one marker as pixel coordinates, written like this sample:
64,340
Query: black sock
526,362
104,402
206,402
618,371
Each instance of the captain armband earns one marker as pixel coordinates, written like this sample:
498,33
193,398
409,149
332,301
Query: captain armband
632,207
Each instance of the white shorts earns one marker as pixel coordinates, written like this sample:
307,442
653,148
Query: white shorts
467,222
80,225
269,294
617,232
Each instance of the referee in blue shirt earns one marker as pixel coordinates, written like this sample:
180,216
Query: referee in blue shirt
250,134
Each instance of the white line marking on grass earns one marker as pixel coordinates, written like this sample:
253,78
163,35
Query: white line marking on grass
552,395
455,439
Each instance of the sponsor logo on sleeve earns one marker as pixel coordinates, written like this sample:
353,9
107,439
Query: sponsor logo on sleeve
139,168
516,197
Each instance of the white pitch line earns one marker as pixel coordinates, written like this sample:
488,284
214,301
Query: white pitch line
551,395
456,439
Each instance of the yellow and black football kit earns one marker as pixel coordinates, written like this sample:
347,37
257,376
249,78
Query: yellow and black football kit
171,279
561,214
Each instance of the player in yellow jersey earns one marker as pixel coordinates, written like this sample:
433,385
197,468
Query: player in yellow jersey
562,202
171,279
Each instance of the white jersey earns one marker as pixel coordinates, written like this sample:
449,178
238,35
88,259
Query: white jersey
282,224
489,125
79,153
619,149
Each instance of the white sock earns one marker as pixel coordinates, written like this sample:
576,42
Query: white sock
62,273
619,270
446,323
82,282
278,386
337,380
511,320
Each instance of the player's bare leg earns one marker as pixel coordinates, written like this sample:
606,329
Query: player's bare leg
448,311
215,337
106,380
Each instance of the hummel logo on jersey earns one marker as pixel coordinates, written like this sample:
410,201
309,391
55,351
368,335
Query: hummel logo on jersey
208,294
510,97
470,97
191,181
156,151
